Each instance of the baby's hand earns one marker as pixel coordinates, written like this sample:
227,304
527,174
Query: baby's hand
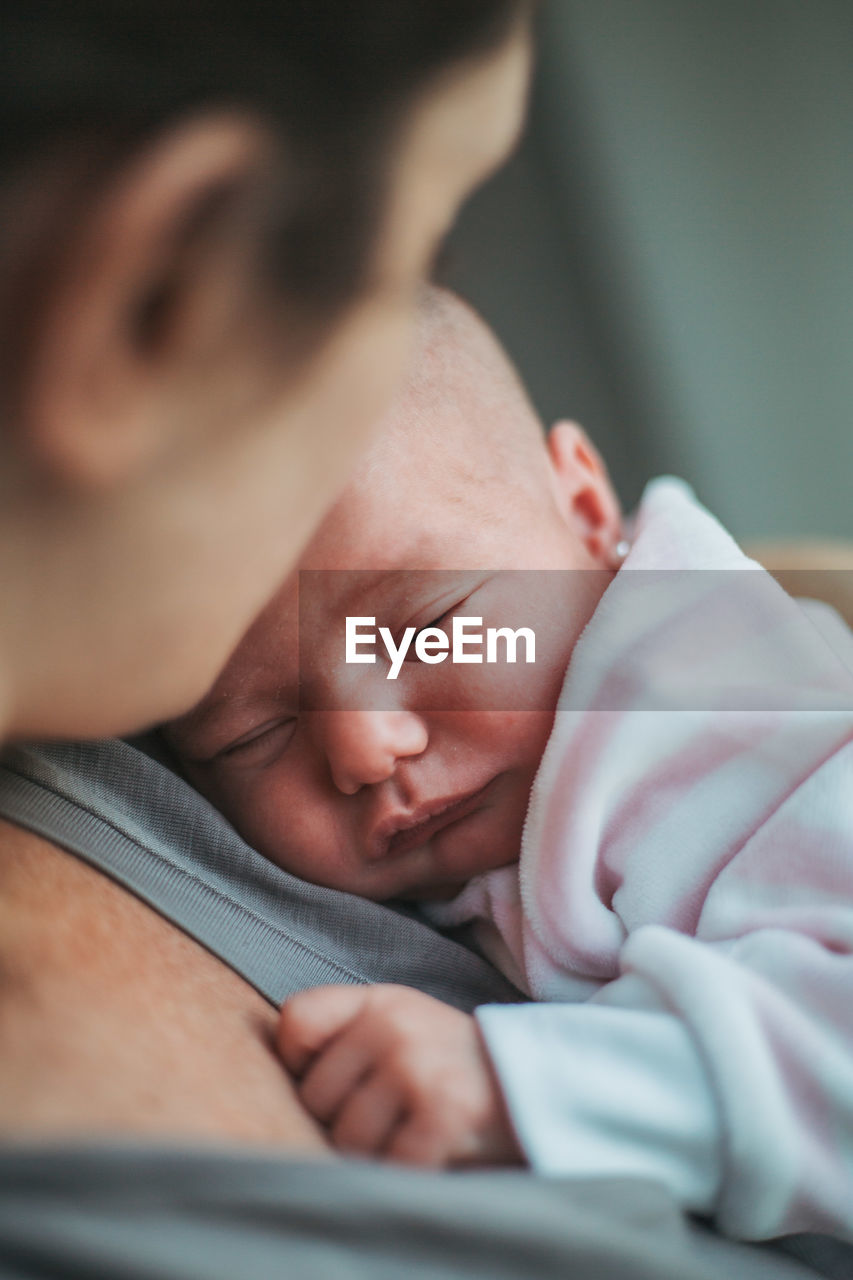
394,1073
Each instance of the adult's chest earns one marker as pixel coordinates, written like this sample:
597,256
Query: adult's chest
114,1022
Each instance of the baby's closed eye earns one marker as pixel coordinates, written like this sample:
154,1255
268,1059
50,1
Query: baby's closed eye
433,628
259,745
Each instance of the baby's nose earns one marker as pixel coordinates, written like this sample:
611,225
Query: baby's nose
363,747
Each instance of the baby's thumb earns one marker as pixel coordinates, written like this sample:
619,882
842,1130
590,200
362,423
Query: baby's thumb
310,1019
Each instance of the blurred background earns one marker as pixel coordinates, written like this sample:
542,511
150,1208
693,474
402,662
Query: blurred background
669,257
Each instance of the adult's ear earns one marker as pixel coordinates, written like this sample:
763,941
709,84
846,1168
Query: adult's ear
146,291
584,493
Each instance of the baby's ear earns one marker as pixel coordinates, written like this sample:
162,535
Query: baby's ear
583,491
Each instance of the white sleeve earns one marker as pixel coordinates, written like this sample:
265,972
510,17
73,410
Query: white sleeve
603,1092
697,1070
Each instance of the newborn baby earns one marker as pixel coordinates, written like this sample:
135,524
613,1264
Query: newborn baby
684,898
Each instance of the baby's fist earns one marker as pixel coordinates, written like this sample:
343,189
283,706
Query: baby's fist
392,1072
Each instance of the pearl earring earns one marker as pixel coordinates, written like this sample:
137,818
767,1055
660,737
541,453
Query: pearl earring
619,553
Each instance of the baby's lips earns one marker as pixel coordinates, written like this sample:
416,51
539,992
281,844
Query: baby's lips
406,830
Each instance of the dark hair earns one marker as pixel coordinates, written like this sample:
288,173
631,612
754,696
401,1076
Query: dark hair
333,77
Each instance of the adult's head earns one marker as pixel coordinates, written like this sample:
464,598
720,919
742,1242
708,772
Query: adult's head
216,217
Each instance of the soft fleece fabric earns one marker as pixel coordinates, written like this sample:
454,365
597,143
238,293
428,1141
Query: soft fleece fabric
684,897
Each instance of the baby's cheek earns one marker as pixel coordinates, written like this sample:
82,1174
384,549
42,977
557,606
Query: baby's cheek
296,828
522,736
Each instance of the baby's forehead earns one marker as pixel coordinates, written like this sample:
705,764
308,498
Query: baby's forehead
460,438
404,504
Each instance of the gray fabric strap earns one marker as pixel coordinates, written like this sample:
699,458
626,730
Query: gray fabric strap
135,820
158,1215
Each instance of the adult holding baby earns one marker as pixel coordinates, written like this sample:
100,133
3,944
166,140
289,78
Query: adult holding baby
218,217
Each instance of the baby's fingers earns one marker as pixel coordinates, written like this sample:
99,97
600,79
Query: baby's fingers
421,1139
368,1117
334,1073
311,1019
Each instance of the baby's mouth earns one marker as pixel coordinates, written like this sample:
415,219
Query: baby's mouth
410,830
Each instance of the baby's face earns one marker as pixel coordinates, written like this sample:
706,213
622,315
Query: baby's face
402,788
